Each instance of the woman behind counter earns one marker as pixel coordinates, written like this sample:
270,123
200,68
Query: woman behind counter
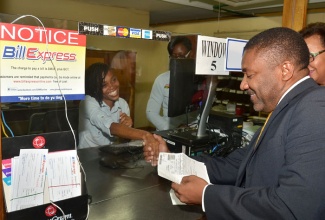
103,114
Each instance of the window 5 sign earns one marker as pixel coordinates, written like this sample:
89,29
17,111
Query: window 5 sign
210,56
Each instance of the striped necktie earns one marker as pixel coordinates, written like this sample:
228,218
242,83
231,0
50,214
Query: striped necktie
258,138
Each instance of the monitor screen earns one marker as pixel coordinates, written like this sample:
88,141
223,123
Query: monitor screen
186,90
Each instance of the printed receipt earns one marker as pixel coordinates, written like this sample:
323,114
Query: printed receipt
28,179
64,177
174,166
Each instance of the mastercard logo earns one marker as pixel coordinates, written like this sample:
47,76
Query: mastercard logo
123,32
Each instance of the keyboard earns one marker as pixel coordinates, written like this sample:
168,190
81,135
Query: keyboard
119,148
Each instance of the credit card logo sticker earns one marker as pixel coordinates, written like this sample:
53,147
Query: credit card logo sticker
122,32
109,30
135,33
146,34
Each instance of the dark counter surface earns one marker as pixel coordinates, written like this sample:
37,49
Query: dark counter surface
135,193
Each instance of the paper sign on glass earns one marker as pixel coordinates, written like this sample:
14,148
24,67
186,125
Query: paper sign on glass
210,56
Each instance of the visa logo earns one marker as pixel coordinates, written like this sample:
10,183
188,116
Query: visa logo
135,33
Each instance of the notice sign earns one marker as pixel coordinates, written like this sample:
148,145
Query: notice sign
40,64
210,56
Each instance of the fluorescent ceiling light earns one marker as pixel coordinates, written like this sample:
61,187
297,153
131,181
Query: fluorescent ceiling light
237,3
196,4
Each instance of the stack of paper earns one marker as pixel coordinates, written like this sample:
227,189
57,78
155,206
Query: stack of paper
36,177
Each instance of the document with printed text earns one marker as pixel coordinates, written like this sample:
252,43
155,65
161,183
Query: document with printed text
28,178
36,177
64,177
174,166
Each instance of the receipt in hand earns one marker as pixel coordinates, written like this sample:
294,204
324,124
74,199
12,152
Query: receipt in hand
173,166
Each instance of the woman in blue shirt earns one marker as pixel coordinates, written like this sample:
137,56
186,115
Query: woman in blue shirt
103,115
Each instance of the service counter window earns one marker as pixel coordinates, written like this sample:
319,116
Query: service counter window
37,77
137,62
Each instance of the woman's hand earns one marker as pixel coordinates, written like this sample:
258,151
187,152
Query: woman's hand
125,120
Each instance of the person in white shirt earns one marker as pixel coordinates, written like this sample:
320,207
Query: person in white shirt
179,47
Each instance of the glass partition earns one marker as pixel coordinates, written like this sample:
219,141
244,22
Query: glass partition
138,62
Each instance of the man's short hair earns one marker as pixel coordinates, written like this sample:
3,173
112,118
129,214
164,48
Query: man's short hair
317,28
179,40
280,44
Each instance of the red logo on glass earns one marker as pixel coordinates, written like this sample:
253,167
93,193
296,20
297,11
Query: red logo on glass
50,211
39,142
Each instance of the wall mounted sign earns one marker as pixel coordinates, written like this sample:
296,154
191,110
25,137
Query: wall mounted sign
41,64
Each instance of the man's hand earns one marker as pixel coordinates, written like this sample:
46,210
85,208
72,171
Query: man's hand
190,190
151,153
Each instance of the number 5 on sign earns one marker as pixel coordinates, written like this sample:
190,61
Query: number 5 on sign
210,56
214,65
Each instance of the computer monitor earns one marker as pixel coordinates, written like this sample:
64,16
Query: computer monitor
189,92
186,90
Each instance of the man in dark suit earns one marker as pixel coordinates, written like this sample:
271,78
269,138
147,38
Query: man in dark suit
281,174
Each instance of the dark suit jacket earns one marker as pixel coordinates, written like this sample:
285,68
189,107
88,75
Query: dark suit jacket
284,178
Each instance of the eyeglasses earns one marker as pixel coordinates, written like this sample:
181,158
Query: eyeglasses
180,56
312,56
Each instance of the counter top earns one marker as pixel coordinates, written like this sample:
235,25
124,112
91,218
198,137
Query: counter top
137,193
